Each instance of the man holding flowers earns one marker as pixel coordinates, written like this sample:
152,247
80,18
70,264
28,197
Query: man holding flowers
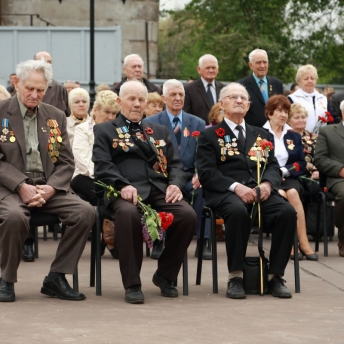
139,162
227,168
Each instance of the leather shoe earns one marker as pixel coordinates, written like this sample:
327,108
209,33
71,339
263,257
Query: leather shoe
157,250
235,288
278,289
28,255
341,249
312,256
60,288
134,295
6,291
206,253
300,255
167,288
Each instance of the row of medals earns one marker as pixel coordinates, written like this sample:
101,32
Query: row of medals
123,142
232,148
54,144
12,138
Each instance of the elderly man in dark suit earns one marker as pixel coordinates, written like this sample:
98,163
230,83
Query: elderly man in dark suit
36,165
203,93
229,177
329,160
133,70
181,126
259,86
140,159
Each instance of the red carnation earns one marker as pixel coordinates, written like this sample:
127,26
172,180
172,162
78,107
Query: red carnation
196,133
267,146
330,118
322,119
296,166
220,132
149,130
166,219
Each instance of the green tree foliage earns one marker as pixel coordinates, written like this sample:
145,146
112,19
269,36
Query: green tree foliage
293,32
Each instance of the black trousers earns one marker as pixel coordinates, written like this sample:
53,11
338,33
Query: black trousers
128,236
83,186
277,215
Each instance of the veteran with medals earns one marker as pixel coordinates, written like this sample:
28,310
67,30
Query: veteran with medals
138,158
36,165
230,180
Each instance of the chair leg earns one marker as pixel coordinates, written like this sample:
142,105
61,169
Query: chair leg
93,257
214,252
147,250
205,211
35,242
98,257
325,226
296,264
185,275
76,281
45,236
317,234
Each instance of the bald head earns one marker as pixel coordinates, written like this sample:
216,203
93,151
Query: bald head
43,55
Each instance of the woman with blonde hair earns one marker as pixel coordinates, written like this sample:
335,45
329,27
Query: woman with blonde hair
215,115
155,104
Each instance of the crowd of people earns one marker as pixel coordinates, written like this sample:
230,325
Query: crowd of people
177,148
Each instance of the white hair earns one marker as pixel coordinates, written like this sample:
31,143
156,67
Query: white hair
128,57
206,57
24,69
306,69
127,85
171,83
254,52
341,106
230,86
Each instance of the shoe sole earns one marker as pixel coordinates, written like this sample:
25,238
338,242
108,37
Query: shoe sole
289,296
53,293
7,300
236,297
28,260
135,302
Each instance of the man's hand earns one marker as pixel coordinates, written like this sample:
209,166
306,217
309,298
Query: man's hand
195,182
173,194
341,172
129,193
315,175
265,191
247,194
48,191
31,196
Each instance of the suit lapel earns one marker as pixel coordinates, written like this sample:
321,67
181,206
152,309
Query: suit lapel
202,92
254,87
146,125
43,132
339,129
217,90
185,138
164,120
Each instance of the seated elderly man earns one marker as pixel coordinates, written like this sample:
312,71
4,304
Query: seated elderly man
229,178
329,160
140,159
36,165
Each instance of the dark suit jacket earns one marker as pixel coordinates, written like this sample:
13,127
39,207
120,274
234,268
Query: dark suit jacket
256,113
118,168
295,153
57,96
196,98
216,176
337,98
13,154
150,87
329,157
188,144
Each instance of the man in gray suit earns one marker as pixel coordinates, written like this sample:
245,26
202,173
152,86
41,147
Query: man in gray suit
329,160
36,166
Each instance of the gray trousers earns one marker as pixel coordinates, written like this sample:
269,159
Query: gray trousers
338,190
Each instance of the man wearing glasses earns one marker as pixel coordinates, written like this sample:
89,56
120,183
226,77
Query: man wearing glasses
227,169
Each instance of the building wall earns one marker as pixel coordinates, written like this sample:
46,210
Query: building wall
131,16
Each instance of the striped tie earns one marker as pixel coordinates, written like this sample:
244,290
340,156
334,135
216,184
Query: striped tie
176,129
262,89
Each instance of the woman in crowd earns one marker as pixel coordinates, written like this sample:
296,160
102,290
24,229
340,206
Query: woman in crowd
155,104
79,103
215,115
314,102
290,156
4,94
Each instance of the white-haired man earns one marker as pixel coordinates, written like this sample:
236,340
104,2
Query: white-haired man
35,171
203,93
140,159
259,86
133,70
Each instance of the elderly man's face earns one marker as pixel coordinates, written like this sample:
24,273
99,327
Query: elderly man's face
70,85
209,70
133,102
134,69
259,65
174,99
31,90
235,102
45,56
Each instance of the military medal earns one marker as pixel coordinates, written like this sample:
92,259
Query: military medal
125,148
12,138
223,152
186,132
230,153
290,144
3,138
54,139
5,131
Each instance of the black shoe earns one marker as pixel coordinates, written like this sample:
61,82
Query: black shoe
278,289
167,288
206,253
235,288
300,255
312,256
6,291
113,253
59,287
28,255
134,295
157,250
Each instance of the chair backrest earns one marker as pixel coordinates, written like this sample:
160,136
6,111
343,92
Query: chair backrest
322,180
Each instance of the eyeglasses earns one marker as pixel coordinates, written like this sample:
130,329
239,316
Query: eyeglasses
235,97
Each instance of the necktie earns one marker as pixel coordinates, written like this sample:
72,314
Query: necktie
210,95
261,87
241,137
176,129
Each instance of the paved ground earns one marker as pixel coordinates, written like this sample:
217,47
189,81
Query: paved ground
316,315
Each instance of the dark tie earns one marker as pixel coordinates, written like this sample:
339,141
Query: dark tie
176,130
261,87
210,95
241,137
